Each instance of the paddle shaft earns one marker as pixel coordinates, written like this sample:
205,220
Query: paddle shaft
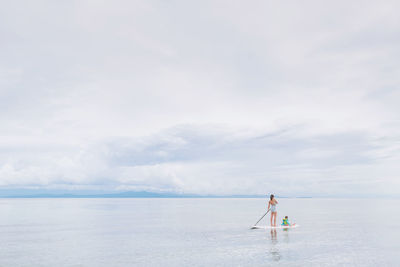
262,217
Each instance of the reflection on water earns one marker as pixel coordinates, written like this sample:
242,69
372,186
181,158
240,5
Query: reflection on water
274,239
274,248
286,235
274,251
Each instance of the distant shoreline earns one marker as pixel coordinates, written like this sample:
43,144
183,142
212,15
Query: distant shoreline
132,195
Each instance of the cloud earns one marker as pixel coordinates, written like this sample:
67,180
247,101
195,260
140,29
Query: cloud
210,159
208,97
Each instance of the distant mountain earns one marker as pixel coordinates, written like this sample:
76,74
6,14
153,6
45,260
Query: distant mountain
131,194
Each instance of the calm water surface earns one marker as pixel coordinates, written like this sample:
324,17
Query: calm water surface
197,232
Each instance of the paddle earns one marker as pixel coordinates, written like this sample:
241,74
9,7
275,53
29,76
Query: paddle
254,226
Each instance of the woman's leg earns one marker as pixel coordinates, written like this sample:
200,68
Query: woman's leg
275,218
272,215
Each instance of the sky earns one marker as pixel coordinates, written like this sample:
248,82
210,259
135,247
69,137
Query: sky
296,98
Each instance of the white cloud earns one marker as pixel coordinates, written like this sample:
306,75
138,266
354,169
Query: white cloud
213,160
172,95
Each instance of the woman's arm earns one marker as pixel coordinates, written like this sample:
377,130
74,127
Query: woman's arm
269,204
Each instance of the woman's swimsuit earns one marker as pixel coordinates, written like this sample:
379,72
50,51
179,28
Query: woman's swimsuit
273,207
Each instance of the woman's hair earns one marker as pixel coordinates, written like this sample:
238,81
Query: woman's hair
271,196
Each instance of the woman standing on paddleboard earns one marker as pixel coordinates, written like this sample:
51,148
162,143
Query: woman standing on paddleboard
272,205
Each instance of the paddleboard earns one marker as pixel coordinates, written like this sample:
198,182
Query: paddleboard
276,227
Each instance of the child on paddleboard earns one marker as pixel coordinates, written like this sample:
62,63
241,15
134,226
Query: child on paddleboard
285,221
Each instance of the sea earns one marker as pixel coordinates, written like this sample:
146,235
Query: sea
197,232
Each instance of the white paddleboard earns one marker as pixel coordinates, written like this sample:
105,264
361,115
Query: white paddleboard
276,227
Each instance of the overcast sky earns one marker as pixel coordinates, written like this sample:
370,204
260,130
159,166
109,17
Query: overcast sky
205,97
